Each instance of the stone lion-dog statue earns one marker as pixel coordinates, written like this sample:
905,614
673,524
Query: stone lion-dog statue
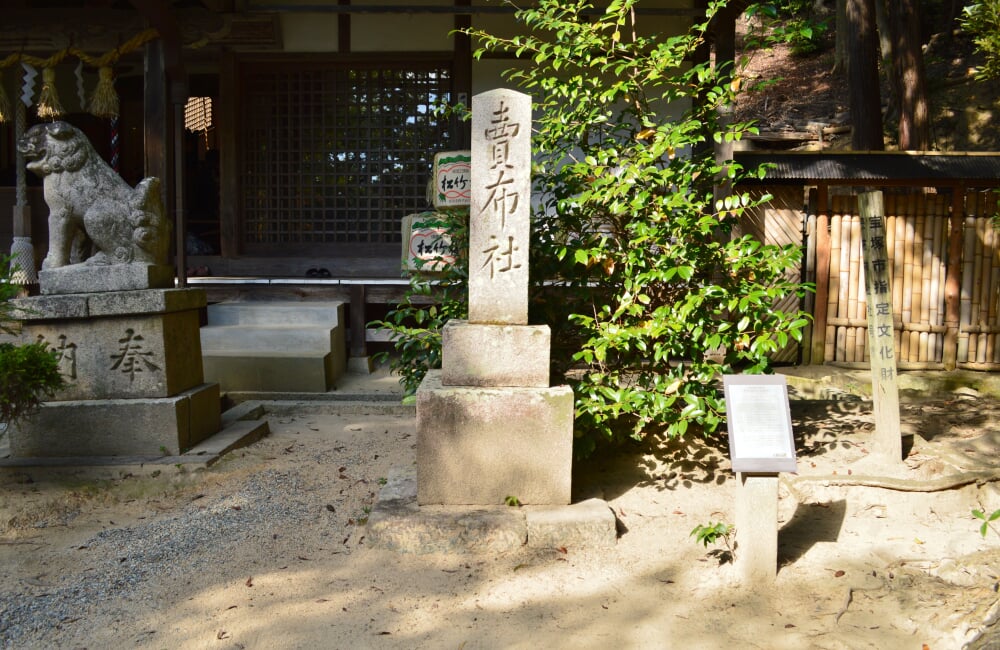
95,217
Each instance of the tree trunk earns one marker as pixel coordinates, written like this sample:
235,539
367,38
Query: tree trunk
888,65
862,77
908,67
840,40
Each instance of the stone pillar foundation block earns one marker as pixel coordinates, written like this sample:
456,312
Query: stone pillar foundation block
478,446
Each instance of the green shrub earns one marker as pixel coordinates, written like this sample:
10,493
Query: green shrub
982,20
636,266
793,23
28,373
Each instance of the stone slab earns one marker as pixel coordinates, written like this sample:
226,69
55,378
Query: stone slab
123,357
474,354
266,338
477,446
757,528
237,432
588,524
277,312
123,303
152,301
398,524
94,278
119,427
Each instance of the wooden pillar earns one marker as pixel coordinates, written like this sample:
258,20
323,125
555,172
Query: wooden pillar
165,91
229,199
808,274
155,114
178,98
953,278
822,275
359,336
462,76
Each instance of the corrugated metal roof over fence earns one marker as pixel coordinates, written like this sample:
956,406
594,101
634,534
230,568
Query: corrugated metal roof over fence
808,167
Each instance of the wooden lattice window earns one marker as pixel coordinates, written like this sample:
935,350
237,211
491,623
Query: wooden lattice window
337,153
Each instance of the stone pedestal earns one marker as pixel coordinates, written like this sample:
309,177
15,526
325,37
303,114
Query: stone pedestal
489,426
480,445
132,362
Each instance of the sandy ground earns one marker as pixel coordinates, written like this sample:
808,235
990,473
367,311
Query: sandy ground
267,549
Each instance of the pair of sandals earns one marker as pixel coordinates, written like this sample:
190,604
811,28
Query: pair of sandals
318,273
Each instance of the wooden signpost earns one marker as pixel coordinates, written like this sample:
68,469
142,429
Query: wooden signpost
887,445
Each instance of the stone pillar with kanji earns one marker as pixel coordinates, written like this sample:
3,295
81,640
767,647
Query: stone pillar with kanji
489,425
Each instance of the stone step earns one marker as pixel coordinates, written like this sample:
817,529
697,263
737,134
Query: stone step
306,371
287,312
275,346
263,338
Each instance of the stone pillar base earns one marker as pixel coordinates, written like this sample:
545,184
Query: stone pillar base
476,354
98,278
119,427
757,527
478,445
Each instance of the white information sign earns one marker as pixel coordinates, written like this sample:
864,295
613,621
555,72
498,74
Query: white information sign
760,423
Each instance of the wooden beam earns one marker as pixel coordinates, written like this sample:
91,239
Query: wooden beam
344,29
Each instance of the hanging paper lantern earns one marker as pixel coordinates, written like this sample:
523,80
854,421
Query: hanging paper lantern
49,106
104,102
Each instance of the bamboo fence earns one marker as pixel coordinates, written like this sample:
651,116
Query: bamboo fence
917,239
